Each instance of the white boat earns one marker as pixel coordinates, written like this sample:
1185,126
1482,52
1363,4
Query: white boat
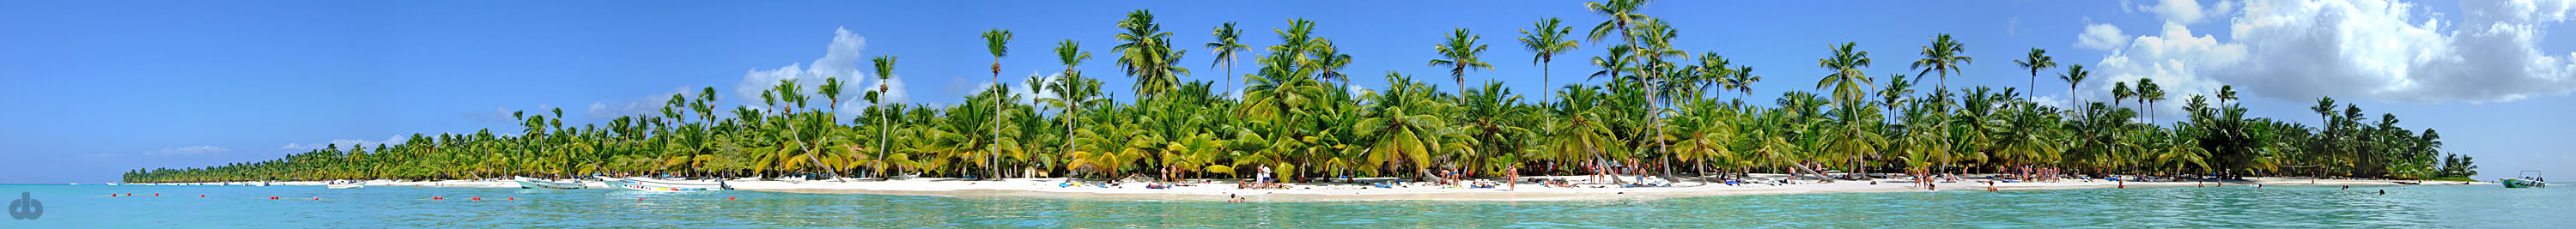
342,184
527,182
650,184
2530,179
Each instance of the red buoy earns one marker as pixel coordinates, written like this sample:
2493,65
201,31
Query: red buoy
639,199
437,197
728,198
512,198
201,196
317,198
478,198
272,197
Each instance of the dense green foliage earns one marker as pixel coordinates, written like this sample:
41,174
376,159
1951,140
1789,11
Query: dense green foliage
1658,108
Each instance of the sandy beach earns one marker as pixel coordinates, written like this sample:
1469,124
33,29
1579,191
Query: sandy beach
1200,190
1225,189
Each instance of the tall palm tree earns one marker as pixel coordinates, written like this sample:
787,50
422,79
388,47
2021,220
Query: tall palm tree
1226,49
997,41
2149,93
876,100
1545,39
1459,52
2037,60
1146,53
2074,76
1942,57
1072,90
1848,82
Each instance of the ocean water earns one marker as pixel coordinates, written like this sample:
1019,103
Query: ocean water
2479,206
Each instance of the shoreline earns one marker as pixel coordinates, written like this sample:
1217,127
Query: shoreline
1212,190
1224,190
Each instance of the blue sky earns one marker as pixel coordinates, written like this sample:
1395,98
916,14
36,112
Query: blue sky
101,87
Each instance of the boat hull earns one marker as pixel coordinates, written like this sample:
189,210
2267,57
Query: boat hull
346,186
2521,183
525,182
645,184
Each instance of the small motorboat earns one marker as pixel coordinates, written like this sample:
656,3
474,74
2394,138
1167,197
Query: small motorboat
527,182
345,184
2530,179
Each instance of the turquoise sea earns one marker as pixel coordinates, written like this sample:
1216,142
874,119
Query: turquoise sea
2479,206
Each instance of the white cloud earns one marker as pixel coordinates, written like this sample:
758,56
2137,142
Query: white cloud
2355,48
345,144
841,59
2101,37
1023,89
648,106
187,151
2189,11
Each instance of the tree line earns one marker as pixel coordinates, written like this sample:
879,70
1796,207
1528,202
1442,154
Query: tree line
1658,110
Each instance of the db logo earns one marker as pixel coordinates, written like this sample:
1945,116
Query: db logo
26,207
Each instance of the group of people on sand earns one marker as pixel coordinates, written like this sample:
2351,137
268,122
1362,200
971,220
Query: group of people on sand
2036,174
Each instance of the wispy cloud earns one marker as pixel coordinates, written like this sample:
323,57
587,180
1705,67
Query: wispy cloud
187,151
345,143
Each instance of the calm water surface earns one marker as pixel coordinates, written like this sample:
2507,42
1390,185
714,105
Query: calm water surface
87,206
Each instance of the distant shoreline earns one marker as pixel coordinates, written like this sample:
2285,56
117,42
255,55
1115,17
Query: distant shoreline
1213,190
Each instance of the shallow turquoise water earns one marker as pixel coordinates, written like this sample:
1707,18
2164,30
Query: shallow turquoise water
87,206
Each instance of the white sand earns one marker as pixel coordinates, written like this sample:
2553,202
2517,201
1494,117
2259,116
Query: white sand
1224,189
1048,188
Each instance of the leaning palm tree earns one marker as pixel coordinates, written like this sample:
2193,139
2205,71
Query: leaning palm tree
1459,54
1546,39
1622,13
1226,49
2038,59
997,41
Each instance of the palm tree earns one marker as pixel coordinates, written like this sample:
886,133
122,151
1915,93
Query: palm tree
1622,14
1942,58
1226,49
1546,39
2037,60
2074,76
1071,90
1847,82
1147,54
2148,94
885,70
2120,93
996,40
1742,81
2225,93
1459,54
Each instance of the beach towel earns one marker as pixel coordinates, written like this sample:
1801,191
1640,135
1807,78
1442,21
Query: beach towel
1382,185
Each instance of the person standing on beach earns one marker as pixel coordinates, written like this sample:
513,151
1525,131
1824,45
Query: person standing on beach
1263,178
